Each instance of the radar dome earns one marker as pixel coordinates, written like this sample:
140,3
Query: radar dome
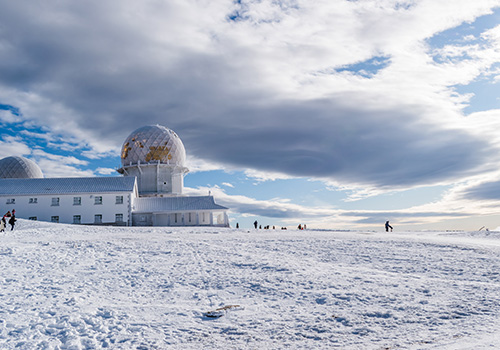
153,144
19,168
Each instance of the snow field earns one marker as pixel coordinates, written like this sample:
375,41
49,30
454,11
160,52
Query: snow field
86,287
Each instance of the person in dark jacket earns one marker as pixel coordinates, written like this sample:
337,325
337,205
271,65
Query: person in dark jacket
387,226
12,222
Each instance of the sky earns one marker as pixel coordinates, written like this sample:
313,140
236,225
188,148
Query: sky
336,114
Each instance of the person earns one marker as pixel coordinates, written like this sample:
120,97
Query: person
12,222
255,224
2,224
8,214
387,226
237,225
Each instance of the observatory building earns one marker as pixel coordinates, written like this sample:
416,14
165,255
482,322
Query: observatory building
149,192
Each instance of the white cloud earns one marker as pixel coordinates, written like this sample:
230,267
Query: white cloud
70,160
54,168
277,208
106,171
13,146
6,116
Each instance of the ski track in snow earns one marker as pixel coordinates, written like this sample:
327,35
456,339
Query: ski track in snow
86,287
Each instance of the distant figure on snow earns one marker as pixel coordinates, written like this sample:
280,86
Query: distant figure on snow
237,225
255,224
3,223
387,226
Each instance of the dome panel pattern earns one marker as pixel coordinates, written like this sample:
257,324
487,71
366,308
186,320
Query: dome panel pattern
151,144
19,168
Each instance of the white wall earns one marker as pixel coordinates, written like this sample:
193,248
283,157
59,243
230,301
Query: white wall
158,178
44,210
168,219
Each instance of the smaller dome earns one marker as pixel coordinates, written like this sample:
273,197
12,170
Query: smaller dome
19,168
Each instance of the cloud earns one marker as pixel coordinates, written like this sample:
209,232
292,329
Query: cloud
7,116
484,191
106,171
274,208
255,85
13,146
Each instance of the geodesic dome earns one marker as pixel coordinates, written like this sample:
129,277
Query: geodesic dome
151,144
19,168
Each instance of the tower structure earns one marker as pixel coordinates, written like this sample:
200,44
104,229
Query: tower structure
156,156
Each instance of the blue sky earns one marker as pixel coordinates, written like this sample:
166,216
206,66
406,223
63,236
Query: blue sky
338,114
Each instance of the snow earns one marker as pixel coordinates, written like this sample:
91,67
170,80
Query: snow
88,287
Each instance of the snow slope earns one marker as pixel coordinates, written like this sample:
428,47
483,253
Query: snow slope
85,287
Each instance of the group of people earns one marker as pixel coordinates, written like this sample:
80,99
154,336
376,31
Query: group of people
10,218
268,227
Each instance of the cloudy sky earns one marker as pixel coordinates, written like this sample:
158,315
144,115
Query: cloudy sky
335,113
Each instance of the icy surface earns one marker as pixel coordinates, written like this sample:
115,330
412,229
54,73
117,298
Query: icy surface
83,287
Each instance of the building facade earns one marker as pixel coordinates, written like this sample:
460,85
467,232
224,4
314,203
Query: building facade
148,194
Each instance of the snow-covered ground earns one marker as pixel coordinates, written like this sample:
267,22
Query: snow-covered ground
85,287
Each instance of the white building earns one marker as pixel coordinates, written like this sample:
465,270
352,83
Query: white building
148,194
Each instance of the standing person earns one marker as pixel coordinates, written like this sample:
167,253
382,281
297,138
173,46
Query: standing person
387,226
12,222
255,224
237,225
2,224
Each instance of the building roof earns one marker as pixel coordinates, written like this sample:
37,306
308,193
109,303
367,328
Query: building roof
66,185
162,204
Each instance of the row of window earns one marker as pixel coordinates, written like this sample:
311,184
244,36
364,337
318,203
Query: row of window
77,219
76,200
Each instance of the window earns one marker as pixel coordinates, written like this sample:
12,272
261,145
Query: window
55,201
77,200
54,219
33,200
119,200
119,217
33,218
98,218
11,201
77,219
98,200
